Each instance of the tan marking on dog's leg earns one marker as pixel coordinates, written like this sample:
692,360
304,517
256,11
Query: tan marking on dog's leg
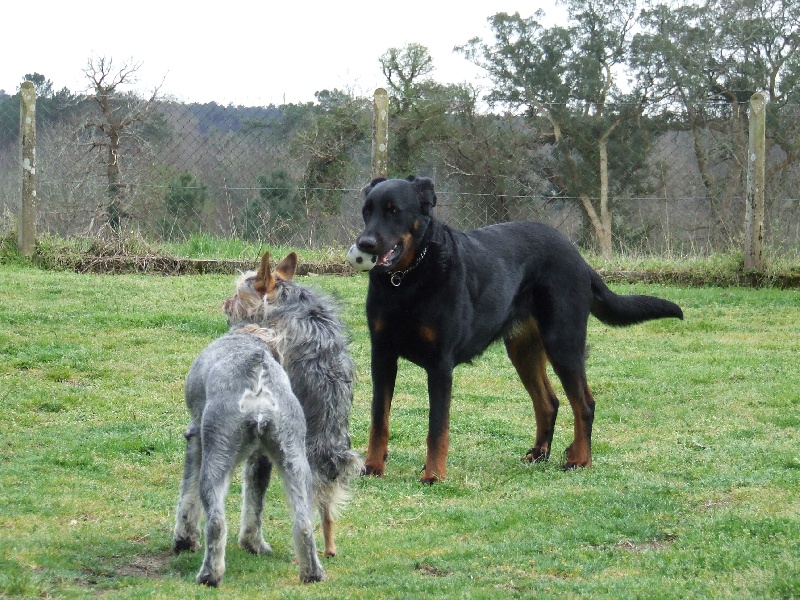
440,388
378,447
579,453
436,462
327,531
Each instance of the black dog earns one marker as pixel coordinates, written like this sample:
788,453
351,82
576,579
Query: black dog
438,297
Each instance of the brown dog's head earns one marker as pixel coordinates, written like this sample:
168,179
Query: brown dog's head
396,214
256,289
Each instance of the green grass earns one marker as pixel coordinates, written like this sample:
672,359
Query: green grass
693,492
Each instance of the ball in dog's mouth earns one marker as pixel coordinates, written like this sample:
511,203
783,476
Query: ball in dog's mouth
359,260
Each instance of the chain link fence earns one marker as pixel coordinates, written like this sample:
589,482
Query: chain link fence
292,174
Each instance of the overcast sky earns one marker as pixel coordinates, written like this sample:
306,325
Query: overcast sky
252,53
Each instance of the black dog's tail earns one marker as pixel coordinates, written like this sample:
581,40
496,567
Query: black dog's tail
619,311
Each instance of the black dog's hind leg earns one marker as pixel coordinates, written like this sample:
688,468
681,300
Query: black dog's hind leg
564,337
579,452
525,349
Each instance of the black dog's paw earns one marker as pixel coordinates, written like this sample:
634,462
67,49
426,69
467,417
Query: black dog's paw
573,463
370,471
429,478
535,455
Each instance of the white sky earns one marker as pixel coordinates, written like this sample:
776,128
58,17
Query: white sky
250,53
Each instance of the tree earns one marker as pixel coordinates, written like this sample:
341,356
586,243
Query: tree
705,60
489,156
568,77
51,107
405,70
184,201
337,125
44,87
418,107
278,208
120,114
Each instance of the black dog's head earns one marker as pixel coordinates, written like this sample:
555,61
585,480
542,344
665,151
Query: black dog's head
396,214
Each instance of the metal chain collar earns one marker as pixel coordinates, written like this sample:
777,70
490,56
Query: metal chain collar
397,276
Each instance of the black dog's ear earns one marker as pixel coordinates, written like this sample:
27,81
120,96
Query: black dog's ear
372,184
423,186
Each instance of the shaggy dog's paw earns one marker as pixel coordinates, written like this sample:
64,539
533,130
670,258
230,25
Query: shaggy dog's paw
185,544
206,578
259,547
313,577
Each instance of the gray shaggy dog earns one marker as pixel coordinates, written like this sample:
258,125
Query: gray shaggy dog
245,406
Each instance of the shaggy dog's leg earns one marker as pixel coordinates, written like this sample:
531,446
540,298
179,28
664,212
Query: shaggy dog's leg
327,529
257,472
296,473
219,461
190,510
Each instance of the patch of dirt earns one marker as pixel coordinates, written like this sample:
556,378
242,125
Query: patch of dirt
643,546
150,566
146,565
432,571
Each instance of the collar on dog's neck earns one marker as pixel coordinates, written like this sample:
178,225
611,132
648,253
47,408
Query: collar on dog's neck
396,277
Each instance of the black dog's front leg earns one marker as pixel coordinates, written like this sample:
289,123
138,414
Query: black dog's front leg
384,375
440,387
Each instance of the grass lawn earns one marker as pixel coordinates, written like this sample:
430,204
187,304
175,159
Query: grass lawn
694,490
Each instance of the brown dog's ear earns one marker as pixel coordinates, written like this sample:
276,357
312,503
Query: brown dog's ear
264,282
423,186
287,267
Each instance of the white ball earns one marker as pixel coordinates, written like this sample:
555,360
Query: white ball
360,261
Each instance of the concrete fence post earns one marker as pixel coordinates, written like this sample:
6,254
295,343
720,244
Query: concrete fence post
380,134
27,131
754,200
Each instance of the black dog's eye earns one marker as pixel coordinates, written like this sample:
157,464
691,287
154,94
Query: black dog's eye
392,209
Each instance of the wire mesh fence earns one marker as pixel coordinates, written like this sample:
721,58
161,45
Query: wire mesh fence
292,174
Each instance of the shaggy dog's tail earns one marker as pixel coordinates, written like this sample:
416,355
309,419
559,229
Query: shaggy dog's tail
332,485
259,402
